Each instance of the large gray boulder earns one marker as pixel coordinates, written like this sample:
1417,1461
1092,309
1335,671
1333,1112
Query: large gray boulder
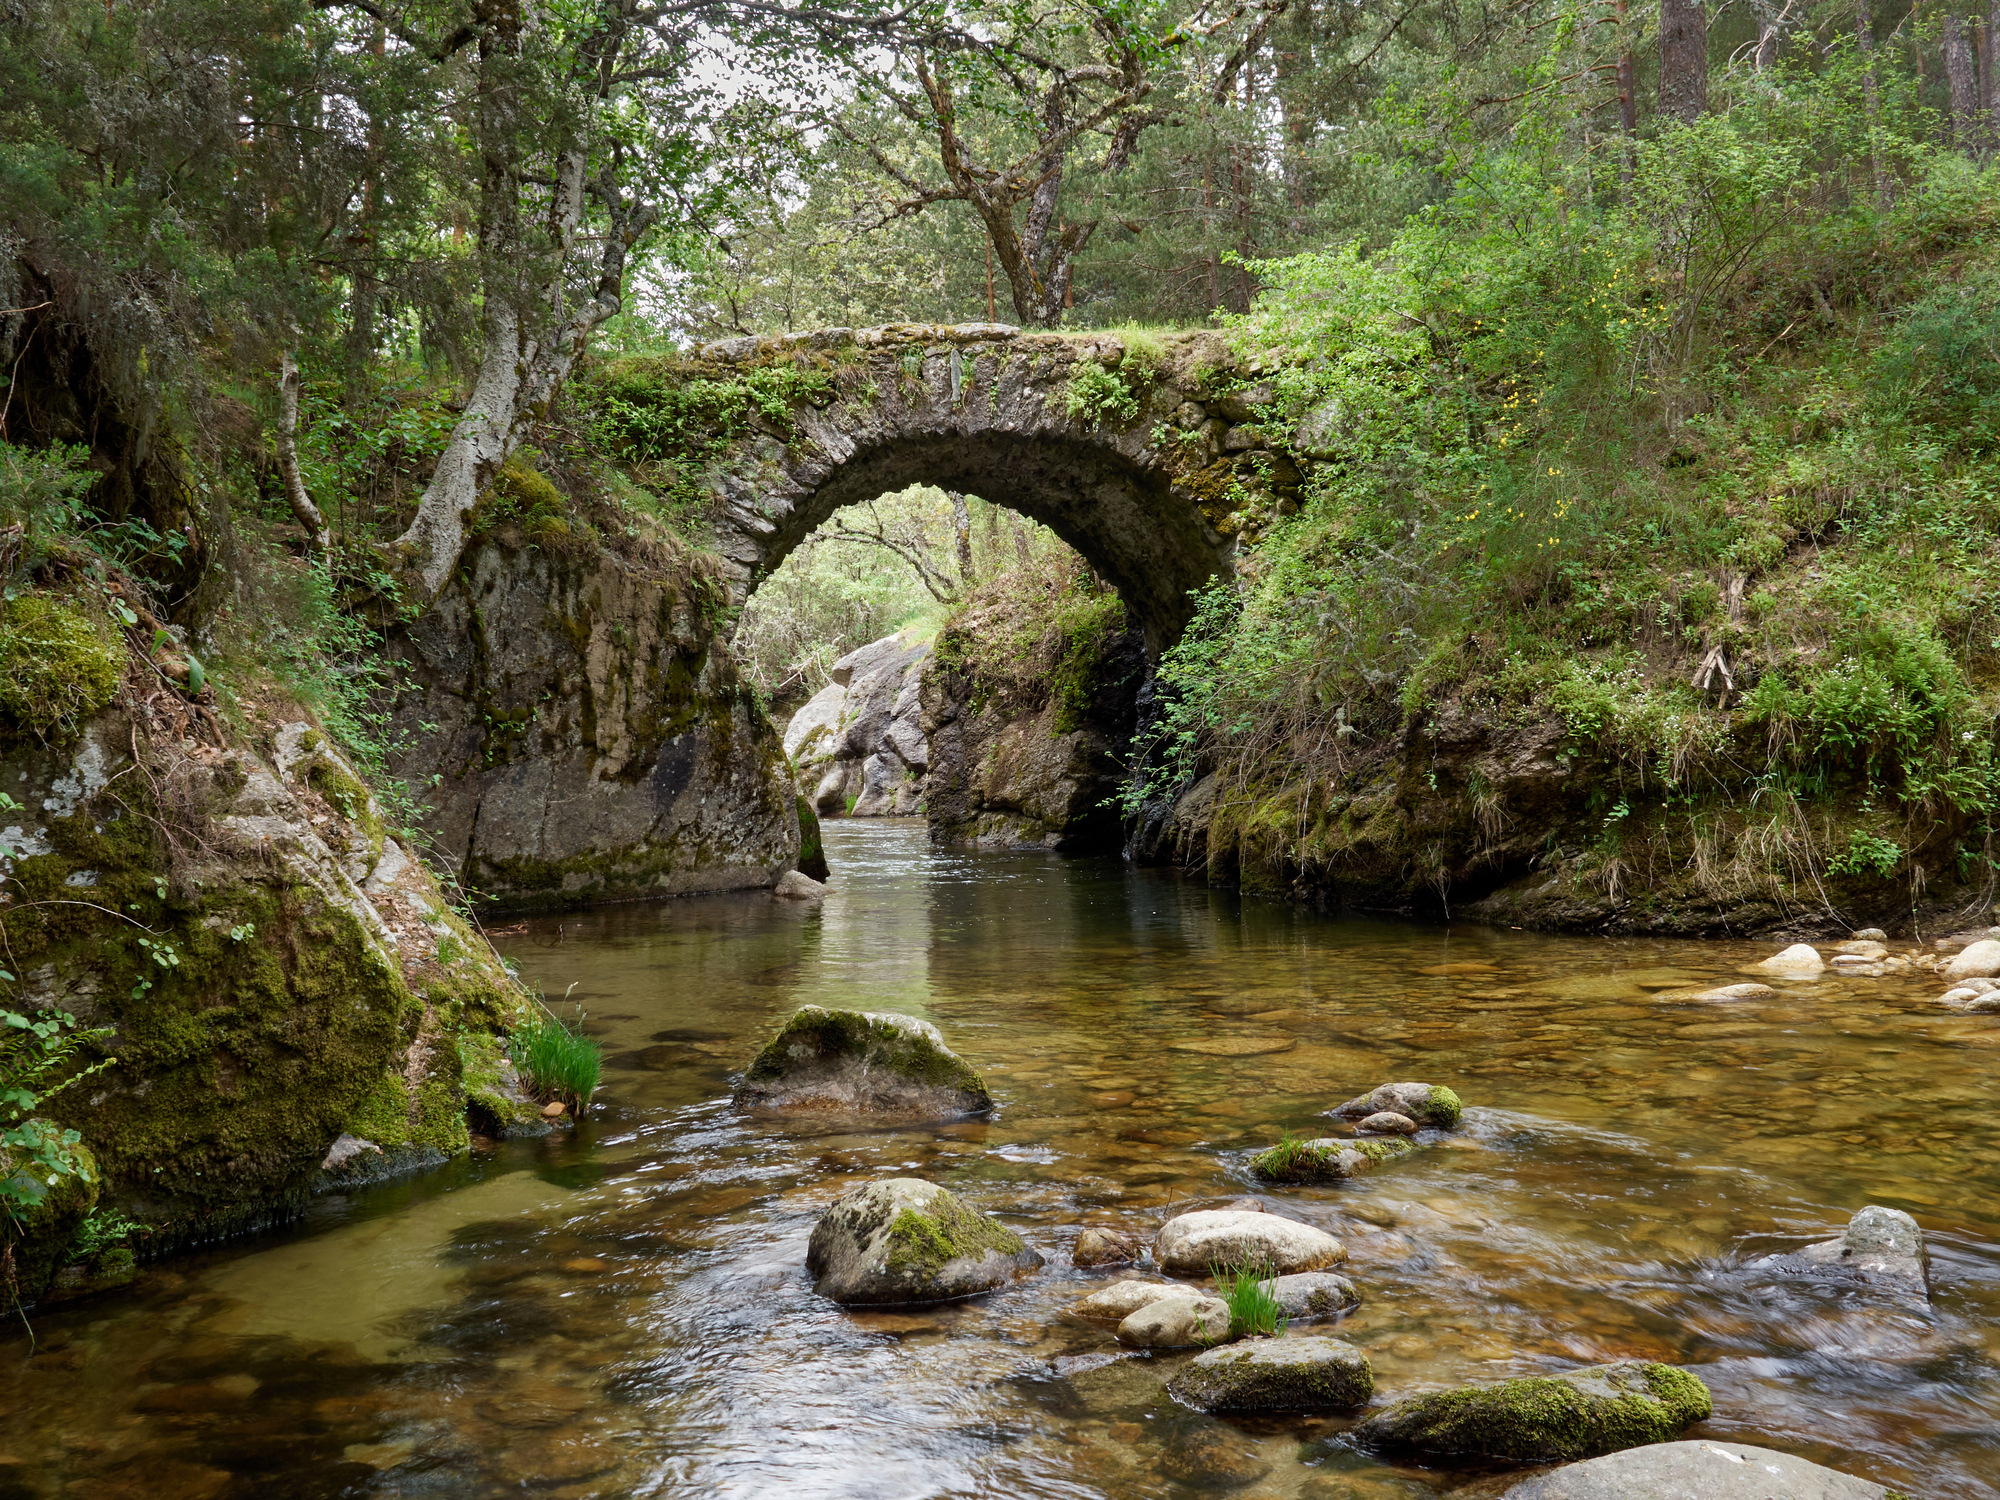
1882,1250
907,1241
1697,1471
862,1062
1196,1244
860,739
1282,1374
1545,1419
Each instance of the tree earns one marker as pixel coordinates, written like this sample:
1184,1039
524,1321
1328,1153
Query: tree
1683,60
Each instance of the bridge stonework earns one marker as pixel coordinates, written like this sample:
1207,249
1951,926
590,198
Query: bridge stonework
1143,453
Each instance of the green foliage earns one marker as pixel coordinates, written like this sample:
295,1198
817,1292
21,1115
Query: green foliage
1867,855
1253,1310
42,490
40,1056
1096,394
556,1060
1940,366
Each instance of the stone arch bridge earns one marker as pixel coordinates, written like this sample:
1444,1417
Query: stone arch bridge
1144,454
572,717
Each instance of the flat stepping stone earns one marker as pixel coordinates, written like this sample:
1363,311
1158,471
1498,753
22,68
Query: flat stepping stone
1281,1374
1118,1301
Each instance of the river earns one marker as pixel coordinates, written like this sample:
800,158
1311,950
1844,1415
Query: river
623,1310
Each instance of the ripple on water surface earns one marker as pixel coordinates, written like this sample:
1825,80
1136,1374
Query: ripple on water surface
625,1311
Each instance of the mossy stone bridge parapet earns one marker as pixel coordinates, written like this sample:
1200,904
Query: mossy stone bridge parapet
1143,452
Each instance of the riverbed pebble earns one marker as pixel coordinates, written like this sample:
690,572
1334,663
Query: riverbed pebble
1709,1469
1276,1374
1313,1294
1750,991
1185,1319
1800,958
1882,1250
1576,1414
1387,1122
1104,1247
1193,1243
1426,1103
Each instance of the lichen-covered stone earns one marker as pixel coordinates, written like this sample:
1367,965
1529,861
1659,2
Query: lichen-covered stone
1545,1419
1426,1103
1328,1158
864,1062
1706,1469
905,1240
1277,1374
1196,1244
578,732
1882,1250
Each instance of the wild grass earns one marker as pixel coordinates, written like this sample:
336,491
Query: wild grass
557,1062
1246,1287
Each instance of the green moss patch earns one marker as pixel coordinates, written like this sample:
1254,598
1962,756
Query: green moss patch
1548,1419
58,665
946,1231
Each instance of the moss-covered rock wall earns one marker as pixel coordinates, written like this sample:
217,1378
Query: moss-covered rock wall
574,723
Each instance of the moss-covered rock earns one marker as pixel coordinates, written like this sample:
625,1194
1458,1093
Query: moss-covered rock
909,1241
59,663
1327,1158
812,854
1546,1419
1280,1374
862,1062
1426,1103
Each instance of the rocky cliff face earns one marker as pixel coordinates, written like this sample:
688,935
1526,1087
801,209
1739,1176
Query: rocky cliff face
577,729
858,745
271,971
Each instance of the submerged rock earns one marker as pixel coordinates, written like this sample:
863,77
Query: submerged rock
1426,1103
1328,1158
1281,1374
1751,991
908,1241
1702,1469
1883,1250
1194,1244
1577,1414
1212,1456
864,1062
1118,1301
1104,1247
1800,958
795,885
1313,1294
1183,1319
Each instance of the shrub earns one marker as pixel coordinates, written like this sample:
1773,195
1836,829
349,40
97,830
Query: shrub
1941,365
556,1060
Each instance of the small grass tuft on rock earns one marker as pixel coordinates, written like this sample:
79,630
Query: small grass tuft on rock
1253,1309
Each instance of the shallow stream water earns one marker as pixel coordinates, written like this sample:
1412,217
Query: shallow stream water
623,1310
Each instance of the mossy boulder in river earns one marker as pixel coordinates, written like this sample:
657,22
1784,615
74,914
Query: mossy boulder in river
862,1062
1546,1419
1327,1158
1426,1103
907,1241
1283,1374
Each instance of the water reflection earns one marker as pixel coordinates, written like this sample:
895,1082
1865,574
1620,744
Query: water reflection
624,1312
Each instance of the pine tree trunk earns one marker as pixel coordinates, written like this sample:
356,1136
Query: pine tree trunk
1958,74
1767,35
1992,76
1864,39
1683,60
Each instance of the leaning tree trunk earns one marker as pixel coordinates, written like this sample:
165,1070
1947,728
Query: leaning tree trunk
309,515
1683,60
